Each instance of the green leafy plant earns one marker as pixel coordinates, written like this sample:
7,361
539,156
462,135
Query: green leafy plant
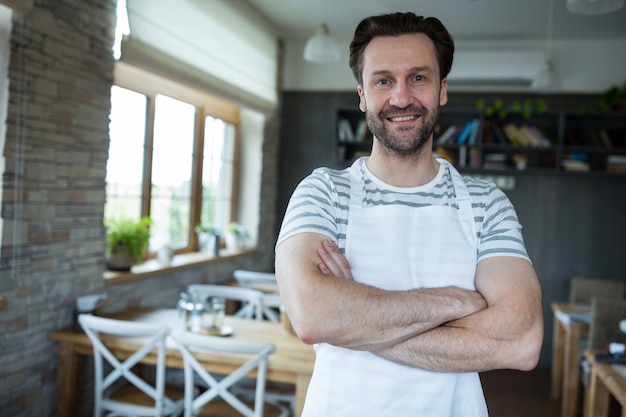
526,108
613,98
236,229
130,237
207,228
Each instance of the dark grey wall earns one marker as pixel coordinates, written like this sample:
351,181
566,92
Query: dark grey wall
574,224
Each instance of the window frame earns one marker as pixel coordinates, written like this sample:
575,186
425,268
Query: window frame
150,84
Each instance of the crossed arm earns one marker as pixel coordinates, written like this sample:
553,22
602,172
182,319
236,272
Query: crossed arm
444,329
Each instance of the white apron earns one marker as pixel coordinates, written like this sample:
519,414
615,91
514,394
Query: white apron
400,248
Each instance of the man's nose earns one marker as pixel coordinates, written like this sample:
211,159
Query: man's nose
401,95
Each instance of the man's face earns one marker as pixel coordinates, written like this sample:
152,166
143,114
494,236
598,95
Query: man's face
401,91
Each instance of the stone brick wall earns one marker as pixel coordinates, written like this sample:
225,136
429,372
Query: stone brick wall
56,146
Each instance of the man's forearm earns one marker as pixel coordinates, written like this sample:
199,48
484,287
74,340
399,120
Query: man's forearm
489,339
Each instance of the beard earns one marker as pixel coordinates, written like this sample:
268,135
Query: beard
418,138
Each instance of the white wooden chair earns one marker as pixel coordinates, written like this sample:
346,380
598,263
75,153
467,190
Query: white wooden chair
255,280
121,391
251,300
252,308
191,344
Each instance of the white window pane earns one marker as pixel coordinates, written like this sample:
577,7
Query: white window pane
127,131
171,172
217,172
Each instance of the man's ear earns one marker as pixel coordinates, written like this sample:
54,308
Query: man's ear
443,92
362,104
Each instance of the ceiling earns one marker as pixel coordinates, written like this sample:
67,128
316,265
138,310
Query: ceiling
467,20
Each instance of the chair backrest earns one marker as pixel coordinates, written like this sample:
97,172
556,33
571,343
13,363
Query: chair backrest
245,278
191,344
256,280
606,314
251,300
147,337
582,289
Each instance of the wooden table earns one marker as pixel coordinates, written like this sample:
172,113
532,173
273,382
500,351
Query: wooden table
292,362
605,379
566,346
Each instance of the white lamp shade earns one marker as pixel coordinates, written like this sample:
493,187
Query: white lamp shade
547,79
594,6
322,47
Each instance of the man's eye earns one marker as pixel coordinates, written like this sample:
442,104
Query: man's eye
418,78
382,82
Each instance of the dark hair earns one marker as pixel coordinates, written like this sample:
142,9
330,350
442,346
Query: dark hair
396,24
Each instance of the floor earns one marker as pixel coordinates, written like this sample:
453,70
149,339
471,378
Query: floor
524,394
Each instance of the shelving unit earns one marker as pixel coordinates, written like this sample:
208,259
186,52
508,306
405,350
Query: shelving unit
353,137
548,141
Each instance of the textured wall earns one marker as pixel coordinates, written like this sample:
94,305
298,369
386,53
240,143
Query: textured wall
61,71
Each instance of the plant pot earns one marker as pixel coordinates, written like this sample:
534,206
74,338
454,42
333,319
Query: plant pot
234,241
119,261
209,243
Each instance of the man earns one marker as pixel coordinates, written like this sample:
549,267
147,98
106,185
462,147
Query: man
408,278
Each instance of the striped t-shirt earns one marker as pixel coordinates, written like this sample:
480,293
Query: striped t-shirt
321,204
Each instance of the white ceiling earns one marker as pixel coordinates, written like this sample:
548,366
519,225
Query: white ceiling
467,20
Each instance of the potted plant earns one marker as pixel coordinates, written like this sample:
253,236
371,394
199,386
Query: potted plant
208,239
235,236
127,242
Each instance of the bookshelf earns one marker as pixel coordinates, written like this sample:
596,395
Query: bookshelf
547,141
353,137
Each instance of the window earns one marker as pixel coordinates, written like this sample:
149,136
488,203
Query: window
171,157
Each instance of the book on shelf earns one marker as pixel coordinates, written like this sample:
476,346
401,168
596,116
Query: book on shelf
465,133
494,161
473,136
575,165
345,133
448,136
361,132
605,138
498,133
616,164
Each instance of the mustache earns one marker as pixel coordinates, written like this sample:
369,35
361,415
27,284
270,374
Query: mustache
394,111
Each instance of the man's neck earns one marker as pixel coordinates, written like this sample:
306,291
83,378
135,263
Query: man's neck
402,170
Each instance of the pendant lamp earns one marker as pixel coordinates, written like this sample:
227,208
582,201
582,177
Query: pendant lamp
594,6
547,79
322,47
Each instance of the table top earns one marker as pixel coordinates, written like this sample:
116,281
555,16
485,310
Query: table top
572,313
291,354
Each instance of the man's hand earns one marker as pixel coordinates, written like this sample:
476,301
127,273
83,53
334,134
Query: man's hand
333,262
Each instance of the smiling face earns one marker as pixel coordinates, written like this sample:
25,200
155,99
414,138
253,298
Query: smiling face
401,91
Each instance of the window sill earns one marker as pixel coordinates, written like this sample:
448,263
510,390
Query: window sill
183,261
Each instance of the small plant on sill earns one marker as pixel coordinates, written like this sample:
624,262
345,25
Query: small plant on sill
127,242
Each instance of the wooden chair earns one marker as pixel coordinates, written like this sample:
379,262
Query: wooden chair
583,289
121,391
251,300
606,314
256,280
252,308
216,387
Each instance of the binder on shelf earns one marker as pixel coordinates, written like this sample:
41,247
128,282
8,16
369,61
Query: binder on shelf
464,135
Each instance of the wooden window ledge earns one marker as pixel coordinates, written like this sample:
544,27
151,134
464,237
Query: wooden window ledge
153,267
